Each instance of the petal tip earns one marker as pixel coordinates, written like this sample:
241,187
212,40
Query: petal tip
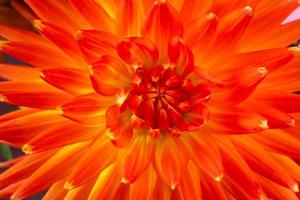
262,71
78,35
173,186
37,24
124,180
2,44
27,149
264,124
295,187
219,178
69,185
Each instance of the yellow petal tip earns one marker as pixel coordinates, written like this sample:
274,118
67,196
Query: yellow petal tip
27,149
69,186
37,24
219,178
264,124
295,187
262,71
124,180
2,44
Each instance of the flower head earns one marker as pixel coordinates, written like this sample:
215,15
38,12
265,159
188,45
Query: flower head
142,99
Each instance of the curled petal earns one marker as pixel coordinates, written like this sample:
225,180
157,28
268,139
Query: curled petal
94,44
73,81
109,76
138,51
236,121
62,39
137,156
87,109
120,126
170,160
161,25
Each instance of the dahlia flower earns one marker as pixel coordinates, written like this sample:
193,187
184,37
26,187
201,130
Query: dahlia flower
153,100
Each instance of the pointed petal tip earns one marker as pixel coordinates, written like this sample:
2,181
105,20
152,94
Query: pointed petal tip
295,188
27,149
249,10
69,186
173,186
295,51
2,44
262,71
37,24
219,178
264,124
78,35
2,98
291,122
124,180
211,16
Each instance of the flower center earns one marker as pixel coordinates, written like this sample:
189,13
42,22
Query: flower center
165,101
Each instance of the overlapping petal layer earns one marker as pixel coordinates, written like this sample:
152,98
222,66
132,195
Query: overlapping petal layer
144,100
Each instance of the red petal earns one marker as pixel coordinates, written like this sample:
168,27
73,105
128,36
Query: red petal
9,190
94,14
94,44
109,76
196,117
87,109
73,81
286,102
62,39
88,167
137,156
138,51
161,25
170,160
38,56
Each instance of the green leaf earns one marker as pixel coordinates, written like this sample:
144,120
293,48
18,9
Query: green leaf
5,151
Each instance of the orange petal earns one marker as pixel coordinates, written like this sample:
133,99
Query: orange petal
61,135
137,156
129,18
94,14
56,191
9,190
80,192
73,81
194,9
262,162
189,186
109,76
138,51
237,169
212,189
89,109
170,160
120,126
276,191
94,44
284,101
161,25
180,56
15,34
162,191
279,141
19,129
106,185
62,39
236,121
18,72
144,186
38,56
88,167
205,153
24,168
58,11
47,174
